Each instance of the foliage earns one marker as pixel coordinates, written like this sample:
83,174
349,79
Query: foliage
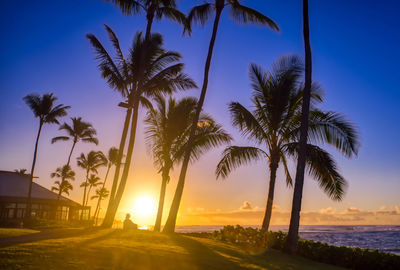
354,258
78,131
44,108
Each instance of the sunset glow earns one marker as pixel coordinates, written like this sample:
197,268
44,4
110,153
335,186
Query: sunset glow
144,210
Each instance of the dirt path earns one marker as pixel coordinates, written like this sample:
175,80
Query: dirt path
43,235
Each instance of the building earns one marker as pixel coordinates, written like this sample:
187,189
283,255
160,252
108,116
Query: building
45,203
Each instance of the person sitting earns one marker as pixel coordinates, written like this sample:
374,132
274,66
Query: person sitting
128,224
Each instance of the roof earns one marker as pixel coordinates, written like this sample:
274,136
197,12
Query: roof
13,184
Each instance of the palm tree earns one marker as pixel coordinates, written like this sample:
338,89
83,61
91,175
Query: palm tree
112,159
116,71
274,126
21,171
78,131
101,194
62,187
93,181
65,173
161,74
44,108
154,9
91,162
291,242
167,129
202,13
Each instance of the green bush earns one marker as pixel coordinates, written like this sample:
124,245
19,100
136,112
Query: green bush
354,258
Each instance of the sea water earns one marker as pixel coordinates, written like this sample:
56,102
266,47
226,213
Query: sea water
383,238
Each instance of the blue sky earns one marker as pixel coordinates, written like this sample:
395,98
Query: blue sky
355,58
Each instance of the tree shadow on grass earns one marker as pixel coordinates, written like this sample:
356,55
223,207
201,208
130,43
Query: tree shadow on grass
205,258
44,235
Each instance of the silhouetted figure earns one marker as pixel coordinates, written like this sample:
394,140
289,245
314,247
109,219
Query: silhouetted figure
128,224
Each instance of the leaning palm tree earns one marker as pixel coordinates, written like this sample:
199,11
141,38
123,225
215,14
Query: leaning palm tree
161,74
291,242
154,9
44,108
274,126
78,131
90,162
93,181
112,160
167,129
62,187
202,13
101,194
65,173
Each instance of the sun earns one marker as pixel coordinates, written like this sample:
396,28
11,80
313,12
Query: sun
144,208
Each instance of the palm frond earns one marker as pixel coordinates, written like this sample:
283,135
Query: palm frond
247,123
323,168
244,15
59,138
172,14
236,156
128,7
199,14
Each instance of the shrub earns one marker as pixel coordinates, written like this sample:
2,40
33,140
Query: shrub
354,258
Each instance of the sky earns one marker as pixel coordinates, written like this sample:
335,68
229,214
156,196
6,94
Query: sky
355,59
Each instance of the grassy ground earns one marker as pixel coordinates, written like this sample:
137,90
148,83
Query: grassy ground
115,249
9,232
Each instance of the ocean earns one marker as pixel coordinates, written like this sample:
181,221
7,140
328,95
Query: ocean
383,238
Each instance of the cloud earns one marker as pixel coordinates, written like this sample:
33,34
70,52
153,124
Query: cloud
247,214
246,206
328,210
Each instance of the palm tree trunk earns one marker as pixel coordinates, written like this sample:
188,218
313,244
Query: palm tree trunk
29,203
87,195
291,242
268,209
70,153
98,202
114,202
96,213
125,172
69,160
171,221
165,177
150,18
84,192
107,222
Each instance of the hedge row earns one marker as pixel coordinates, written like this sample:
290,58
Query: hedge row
354,258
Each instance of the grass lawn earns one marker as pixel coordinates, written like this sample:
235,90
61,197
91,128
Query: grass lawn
116,249
8,232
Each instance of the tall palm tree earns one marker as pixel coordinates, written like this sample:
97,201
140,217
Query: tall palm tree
167,129
101,194
93,181
116,71
78,131
112,160
274,126
202,13
154,9
64,173
161,74
44,108
291,242
62,187
90,162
